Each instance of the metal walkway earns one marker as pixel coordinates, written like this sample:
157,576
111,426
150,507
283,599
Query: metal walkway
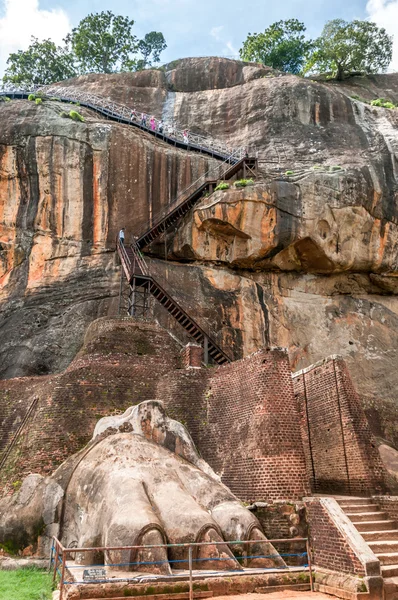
120,113
143,284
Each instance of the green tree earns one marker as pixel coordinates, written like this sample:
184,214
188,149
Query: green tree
282,46
42,63
344,48
151,48
104,43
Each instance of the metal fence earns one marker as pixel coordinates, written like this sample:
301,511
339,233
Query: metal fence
169,130
63,569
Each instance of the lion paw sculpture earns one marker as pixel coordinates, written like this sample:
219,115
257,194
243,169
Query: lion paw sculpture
141,482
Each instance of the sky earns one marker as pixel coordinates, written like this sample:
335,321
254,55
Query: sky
191,27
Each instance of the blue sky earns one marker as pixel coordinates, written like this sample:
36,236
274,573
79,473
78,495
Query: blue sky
191,27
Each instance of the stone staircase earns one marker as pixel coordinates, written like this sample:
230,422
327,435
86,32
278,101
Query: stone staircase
381,535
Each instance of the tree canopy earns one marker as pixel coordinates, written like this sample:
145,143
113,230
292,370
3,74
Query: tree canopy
101,43
42,63
343,48
282,46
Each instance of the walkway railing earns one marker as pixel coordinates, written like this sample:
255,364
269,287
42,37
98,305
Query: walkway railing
63,564
170,132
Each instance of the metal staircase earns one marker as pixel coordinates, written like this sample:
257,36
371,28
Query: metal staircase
143,284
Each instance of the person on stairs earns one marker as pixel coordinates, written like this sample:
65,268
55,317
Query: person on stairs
121,236
152,123
143,120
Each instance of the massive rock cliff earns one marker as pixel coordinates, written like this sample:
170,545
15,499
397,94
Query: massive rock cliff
306,260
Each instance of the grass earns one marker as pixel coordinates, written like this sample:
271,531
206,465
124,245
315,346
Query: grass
26,584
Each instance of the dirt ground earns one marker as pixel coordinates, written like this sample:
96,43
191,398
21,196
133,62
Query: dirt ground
286,595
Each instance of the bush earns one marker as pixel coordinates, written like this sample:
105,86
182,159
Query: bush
76,116
289,172
31,97
5,99
243,182
223,185
39,101
383,103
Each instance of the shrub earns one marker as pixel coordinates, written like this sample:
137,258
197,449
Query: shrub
289,172
335,168
39,101
5,99
31,97
223,185
383,103
76,116
243,182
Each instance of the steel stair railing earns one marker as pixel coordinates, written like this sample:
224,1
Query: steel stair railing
138,275
122,113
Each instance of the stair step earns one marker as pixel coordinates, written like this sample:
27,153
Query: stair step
375,525
360,508
389,571
384,546
387,558
353,500
380,536
367,516
294,587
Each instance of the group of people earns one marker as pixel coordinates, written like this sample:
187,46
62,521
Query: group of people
157,126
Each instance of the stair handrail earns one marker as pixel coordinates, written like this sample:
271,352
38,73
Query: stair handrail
218,171
70,93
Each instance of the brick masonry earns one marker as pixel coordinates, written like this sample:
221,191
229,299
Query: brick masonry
340,450
330,549
242,416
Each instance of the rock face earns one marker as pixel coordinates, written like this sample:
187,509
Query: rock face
306,260
148,460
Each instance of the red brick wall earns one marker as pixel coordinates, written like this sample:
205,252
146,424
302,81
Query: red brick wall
252,436
242,416
330,548
340,450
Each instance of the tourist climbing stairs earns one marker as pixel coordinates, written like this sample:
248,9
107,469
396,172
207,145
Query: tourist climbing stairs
380,533
143,283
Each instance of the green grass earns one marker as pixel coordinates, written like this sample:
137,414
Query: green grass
25,584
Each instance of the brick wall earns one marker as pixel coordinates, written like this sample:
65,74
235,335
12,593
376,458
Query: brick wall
330,549
242,416
340,450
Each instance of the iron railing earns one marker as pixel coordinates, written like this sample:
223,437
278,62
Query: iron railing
60,566
171,131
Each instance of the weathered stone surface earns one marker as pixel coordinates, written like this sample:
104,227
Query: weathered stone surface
314,254
155,467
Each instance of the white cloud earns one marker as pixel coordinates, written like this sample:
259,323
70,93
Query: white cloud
24,18
385,14
228,48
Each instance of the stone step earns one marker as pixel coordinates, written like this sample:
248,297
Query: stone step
354,500
360,508
389,571
367,516
387,558
384,546
375,525
391,588
296,587
380,536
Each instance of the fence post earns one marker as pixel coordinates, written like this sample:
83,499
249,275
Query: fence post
55,560
190,573
310,565
61,586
